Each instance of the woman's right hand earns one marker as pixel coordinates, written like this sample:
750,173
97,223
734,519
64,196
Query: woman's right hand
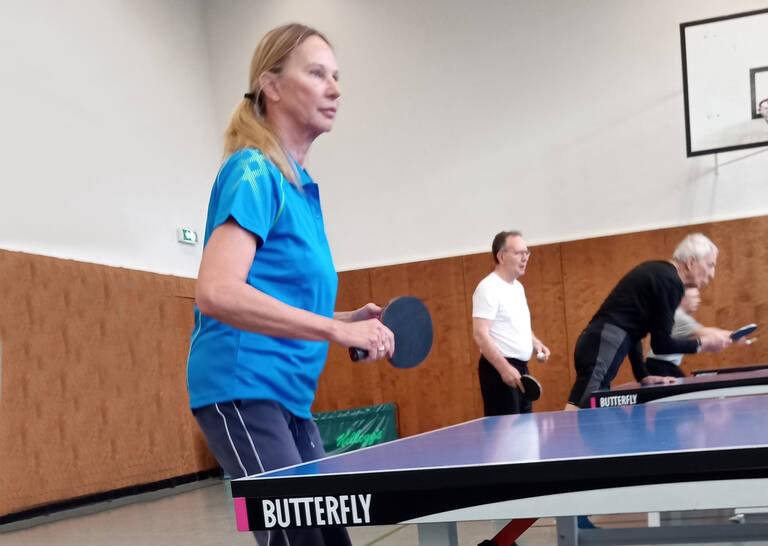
370,335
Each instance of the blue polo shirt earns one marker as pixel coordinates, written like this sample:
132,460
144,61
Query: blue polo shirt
293,264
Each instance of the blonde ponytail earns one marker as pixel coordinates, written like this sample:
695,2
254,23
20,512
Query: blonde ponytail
245,130
248,126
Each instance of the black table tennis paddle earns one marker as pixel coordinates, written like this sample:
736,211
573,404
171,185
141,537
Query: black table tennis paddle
743,331
532,387
410,321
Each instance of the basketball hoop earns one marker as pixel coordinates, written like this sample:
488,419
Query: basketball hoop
762,108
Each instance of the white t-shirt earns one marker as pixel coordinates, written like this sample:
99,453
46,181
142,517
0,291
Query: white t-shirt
504,303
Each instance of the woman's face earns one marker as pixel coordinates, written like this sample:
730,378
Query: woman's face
308,86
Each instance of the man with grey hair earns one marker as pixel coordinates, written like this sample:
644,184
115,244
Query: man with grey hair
644,301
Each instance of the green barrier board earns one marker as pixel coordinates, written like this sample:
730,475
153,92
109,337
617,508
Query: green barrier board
347,430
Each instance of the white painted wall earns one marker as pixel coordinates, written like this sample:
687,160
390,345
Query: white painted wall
107,130
458,119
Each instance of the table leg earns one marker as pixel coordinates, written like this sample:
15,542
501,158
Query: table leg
512,531
499,524
567,531
438,534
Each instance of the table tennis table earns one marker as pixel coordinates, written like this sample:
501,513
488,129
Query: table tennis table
712,385
686,455
729,369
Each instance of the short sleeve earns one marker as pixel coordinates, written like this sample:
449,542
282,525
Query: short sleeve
250,190
485,301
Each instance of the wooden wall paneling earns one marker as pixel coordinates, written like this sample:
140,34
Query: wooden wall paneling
36,360
740,287
94,390
438,392
543,283
18,448
94,357
141,366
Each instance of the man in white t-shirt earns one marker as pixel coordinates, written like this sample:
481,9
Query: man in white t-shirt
501,325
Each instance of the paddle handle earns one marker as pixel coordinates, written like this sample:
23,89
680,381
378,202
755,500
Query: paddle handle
357,354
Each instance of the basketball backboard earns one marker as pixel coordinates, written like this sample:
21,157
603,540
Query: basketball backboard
725,77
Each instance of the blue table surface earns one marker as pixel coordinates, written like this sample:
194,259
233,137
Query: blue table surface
709,424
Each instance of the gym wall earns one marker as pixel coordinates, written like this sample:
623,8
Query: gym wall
93,357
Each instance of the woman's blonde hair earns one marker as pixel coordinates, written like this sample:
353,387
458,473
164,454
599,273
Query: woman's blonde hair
248,126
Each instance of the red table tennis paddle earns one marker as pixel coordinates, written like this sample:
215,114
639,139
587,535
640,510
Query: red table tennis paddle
532,388
410,321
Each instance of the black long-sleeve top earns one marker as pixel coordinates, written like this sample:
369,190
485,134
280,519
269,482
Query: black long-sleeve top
644,301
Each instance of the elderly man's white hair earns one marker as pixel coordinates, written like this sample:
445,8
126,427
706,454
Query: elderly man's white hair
696,245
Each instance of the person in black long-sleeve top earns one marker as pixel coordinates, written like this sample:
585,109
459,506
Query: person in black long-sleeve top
644,301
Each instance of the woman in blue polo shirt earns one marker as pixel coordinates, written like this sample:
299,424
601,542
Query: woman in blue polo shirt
266,288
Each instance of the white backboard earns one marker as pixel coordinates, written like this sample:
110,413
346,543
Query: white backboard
725,76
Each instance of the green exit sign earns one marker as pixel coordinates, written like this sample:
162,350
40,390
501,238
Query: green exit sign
187,236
